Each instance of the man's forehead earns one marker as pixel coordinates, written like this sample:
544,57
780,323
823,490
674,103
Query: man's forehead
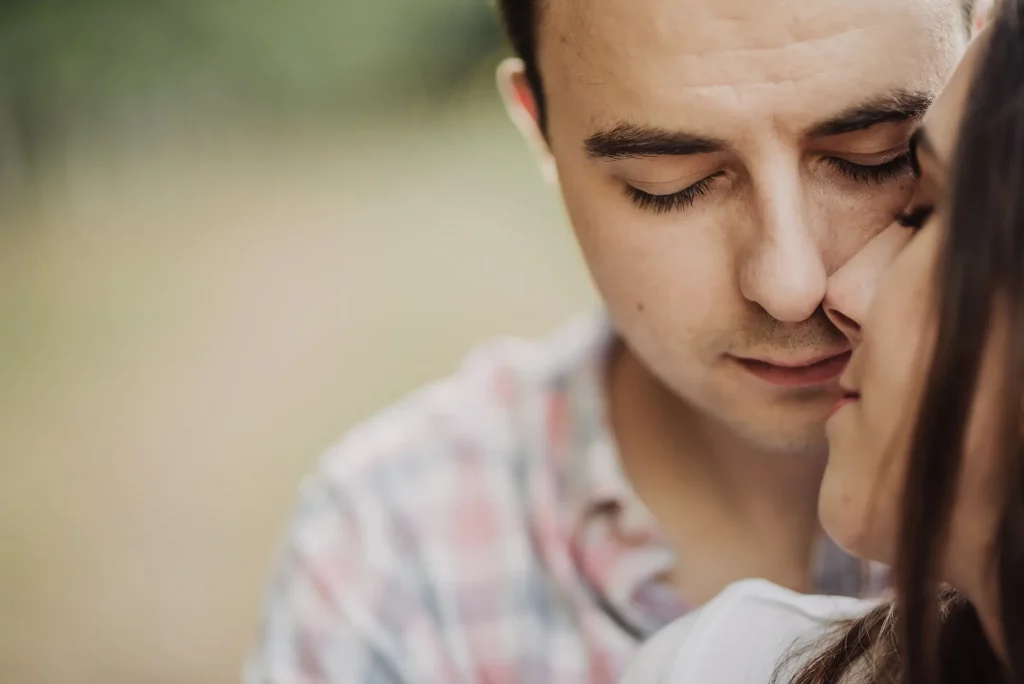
656,54
718,25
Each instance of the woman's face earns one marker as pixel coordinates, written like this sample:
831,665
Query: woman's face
885,300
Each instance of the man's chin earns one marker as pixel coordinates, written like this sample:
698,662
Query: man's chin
798,431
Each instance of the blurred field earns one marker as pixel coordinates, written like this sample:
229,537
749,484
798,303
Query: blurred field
186,321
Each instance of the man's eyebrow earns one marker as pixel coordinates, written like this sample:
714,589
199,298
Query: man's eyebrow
628,141
894,107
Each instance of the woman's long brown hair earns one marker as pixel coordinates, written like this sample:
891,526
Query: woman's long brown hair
929,634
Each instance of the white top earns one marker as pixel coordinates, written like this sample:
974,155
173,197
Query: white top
741,636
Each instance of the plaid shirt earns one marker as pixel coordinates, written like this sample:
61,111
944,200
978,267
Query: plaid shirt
480,531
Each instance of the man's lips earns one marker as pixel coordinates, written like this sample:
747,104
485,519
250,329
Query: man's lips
797,374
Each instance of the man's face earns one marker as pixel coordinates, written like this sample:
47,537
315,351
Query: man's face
719,160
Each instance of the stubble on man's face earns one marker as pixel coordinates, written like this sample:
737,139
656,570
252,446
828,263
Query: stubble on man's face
690,285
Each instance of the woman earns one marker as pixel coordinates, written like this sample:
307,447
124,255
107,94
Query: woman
937,492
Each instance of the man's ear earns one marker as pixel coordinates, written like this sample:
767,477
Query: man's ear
521,104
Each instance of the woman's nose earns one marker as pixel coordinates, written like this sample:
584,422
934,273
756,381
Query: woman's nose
851,288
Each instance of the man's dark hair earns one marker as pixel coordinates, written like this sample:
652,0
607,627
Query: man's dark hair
522,19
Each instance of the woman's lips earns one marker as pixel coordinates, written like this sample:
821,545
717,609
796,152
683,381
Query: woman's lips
849,396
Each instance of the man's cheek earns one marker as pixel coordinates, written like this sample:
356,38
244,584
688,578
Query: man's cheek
850,232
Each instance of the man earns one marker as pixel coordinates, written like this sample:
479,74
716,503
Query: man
535,517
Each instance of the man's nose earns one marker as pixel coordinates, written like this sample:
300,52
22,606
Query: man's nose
851,288
785,273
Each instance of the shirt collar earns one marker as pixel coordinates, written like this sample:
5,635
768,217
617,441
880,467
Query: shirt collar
592,477
595,489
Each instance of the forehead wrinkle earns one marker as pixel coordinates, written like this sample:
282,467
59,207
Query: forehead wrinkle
733,83
601,70
768,66
774,30
597,38
789,63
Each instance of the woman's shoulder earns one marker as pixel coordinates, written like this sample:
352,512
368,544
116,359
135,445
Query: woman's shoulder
741,636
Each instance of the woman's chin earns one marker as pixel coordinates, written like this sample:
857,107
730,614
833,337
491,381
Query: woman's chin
852,518
840,511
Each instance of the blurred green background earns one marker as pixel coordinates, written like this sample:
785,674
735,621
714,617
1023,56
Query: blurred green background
228,231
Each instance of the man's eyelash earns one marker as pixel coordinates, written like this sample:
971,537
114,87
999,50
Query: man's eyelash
877,173
662,204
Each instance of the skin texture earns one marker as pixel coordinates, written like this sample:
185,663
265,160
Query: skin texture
729,463
885,299
742,271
